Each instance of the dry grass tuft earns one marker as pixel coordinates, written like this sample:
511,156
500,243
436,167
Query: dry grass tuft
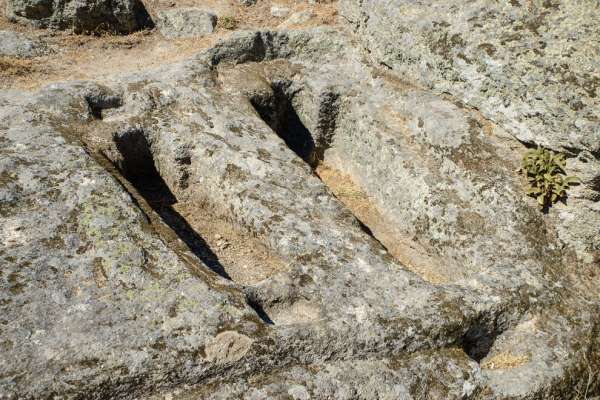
505,361
14,67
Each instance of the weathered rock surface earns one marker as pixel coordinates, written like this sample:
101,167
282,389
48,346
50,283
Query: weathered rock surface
527,65
297,18
410,263
279,11
13,44
92,299
530,67
447,375
186,22
83,16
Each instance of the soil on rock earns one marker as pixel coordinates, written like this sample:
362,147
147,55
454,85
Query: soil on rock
98,56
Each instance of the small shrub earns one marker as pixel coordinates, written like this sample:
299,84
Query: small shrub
545,173
228,22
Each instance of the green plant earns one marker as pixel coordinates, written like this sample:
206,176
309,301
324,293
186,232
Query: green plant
228,22
545,173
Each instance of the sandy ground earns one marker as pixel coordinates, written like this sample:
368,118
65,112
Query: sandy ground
74,57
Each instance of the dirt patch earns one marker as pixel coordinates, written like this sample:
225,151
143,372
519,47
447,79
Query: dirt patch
257,15
221,245
245,259
97,58
505,361
15,68
404,250
91,57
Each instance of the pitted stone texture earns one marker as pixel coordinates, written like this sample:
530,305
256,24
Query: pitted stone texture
446,375
530,67
82,16
186,22
342,302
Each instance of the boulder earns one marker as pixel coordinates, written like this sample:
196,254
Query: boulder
82,16
186,22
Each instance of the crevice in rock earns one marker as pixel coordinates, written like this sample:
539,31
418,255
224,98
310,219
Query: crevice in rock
259,310
277,109
97,103
278,112
136,164
478,341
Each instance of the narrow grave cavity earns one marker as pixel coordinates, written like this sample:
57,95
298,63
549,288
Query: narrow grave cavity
224,247
278,111
137,166
373,222
478,342
281,111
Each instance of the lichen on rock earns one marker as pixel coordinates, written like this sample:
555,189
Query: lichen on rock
398,255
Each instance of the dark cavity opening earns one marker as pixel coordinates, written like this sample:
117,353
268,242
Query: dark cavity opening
259,310
97,103
138,167
278,112
478,342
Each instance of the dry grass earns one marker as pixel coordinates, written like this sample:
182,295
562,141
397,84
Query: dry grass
591,385
505,361
97,57
14,67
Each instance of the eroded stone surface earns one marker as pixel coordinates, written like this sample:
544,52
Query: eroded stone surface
238,130
186,22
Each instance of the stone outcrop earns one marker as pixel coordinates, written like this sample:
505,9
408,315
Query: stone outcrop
185,22
400,257
527,66
118,16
